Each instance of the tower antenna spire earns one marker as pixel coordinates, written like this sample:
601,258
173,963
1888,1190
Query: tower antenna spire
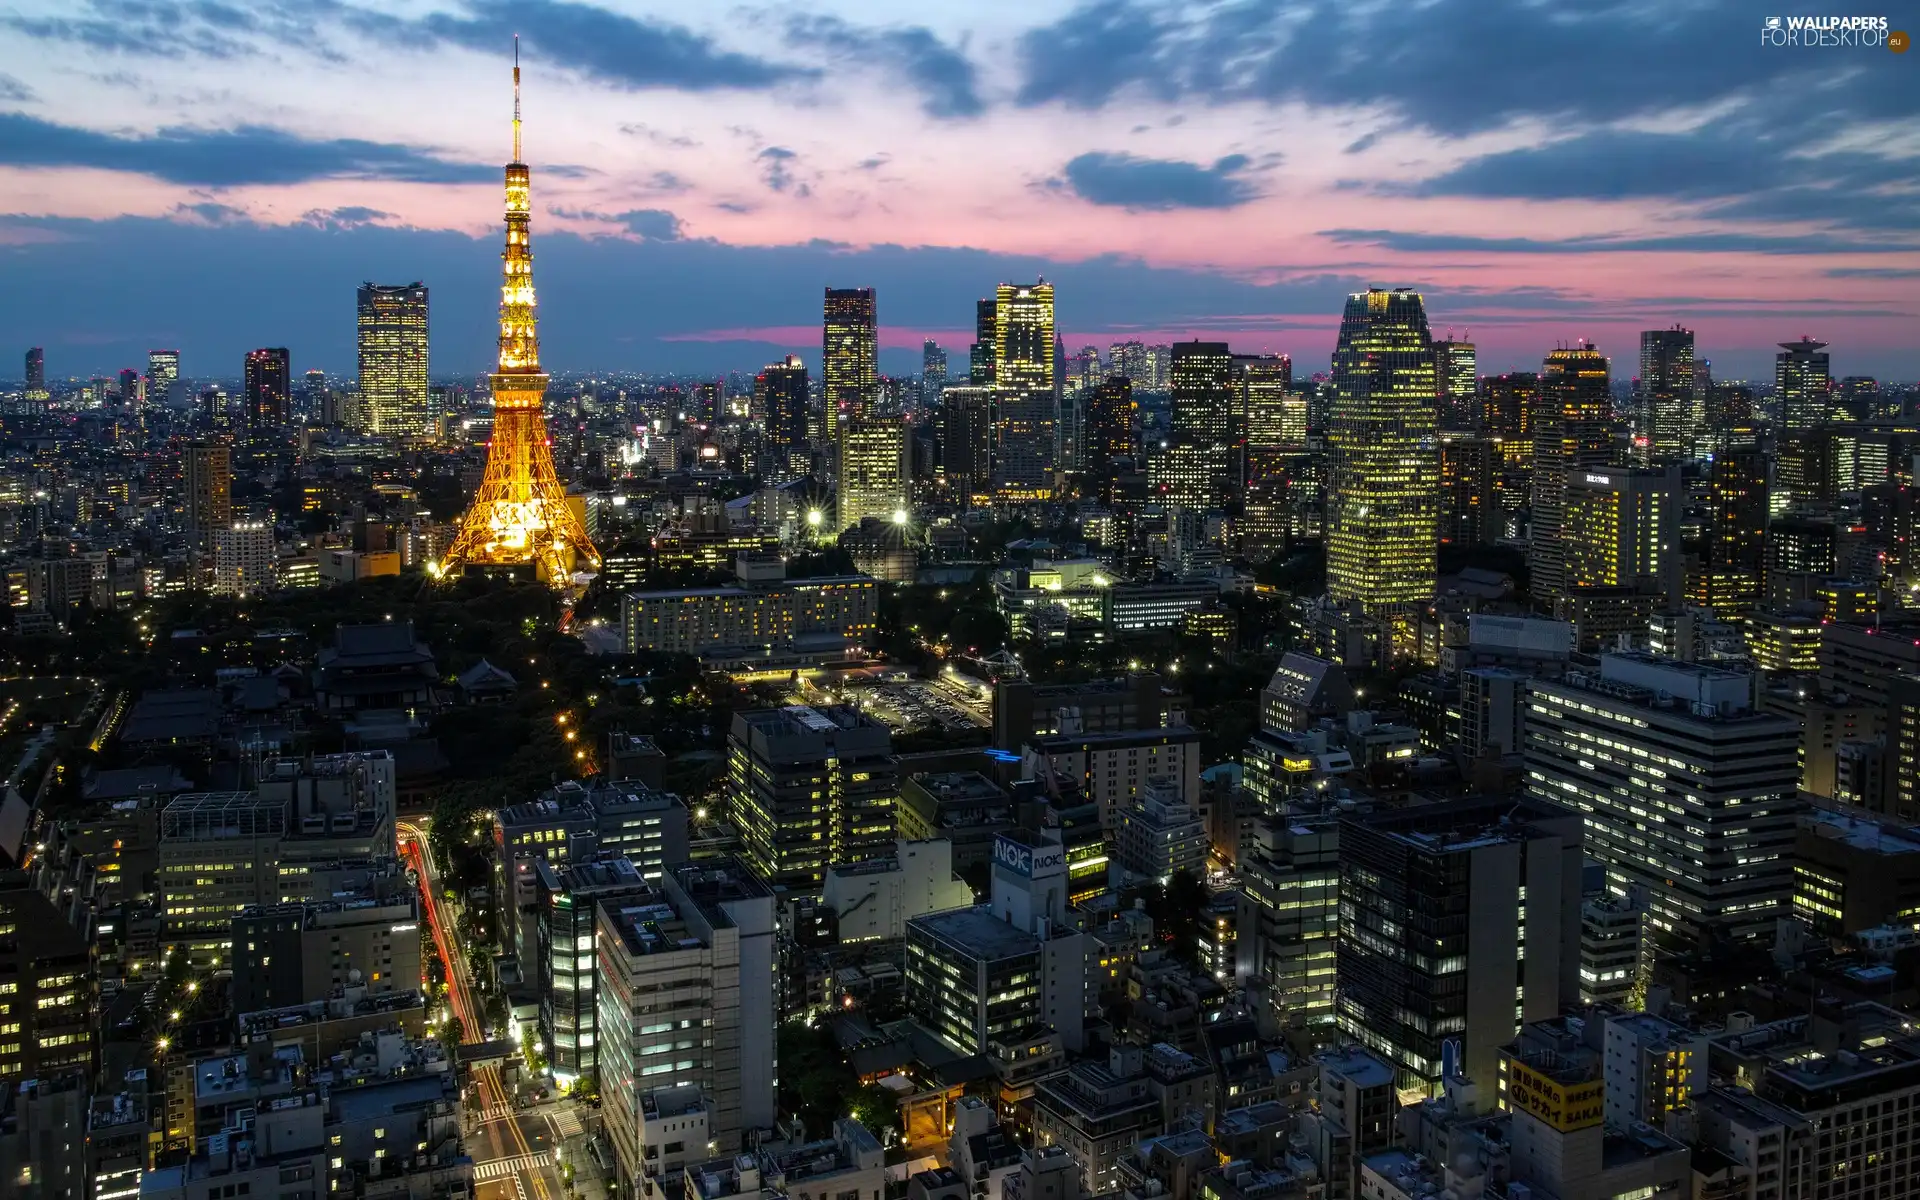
516,97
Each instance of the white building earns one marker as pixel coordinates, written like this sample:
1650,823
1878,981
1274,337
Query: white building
1162,834
1685,788
876,898
243,559
1113,767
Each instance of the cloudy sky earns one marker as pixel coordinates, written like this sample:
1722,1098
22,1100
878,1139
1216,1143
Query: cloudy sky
220,174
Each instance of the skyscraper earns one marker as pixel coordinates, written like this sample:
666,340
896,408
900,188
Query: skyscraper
314,396
1273,416
966,442
873,470
269,385
208,473
520,516
1202,416
1129,359
1663,397
393,358
1801,384
1110,436
849,355
933,371
980,355
1572,431
1383,493
163,369
1024,350
1023,445
1727,576
1456,370
780,396
36,376
130,389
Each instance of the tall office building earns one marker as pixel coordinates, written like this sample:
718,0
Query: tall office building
933,371
1686,790
780,399
393,358
268,387
1470,512
980,354
1663,395
1456,373
208,472
1201,415
1110,435
1802,384
1572,433
1024,345
873,470
131,391
1731,561
849,355
1384,459
1129,359
36,371
163,371
313,396
1024,442
1275,415
967,441
1459,922
49,992
810,787
1622,529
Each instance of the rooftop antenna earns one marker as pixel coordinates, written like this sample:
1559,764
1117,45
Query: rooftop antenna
516,97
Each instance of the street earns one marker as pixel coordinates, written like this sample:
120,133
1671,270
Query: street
512,1149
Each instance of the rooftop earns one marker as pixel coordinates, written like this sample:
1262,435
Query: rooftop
977,932
1862,833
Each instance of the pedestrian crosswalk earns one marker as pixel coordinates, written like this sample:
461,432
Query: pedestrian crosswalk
492,1112
495,1168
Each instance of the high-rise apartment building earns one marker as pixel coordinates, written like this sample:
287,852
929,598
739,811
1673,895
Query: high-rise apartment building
1686,790
132,390
873,470
1025,427
780,399
1383,494
809,787
1572,434
1663,396
849,356
244,557
313,396
1024,344
1459,922
36,370
933,371
393,358
1110,425
687,997
1802,385
1457,375
163,371
268,387
1470,512
208,472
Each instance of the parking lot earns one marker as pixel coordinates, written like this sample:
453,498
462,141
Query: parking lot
914,706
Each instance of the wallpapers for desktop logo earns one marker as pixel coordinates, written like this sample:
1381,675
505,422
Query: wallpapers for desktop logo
1869,33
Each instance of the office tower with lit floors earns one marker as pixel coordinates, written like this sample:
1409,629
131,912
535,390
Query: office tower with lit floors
780,398
1802,385
809,788
873,470
1383,455
966,436
1728,567
163,371
980,353
1663,396
521,516
1024,344
849,355
1456,372
1110,426
1201,417
268,387
208,475
933,371
1572,433
393,358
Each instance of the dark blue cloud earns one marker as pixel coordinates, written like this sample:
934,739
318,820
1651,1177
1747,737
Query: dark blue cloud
623,51
948,82
775,171
13,91
1452,66
1873,273
1127,181
1728,243
249,154
654,224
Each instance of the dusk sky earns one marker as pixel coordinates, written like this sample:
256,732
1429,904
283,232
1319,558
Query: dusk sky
216,176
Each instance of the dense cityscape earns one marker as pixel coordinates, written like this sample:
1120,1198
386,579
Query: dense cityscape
1160,772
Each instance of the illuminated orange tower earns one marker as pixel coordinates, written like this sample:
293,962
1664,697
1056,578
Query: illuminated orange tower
521,515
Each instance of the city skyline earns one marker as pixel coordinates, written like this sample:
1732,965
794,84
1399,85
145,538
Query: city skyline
751,167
